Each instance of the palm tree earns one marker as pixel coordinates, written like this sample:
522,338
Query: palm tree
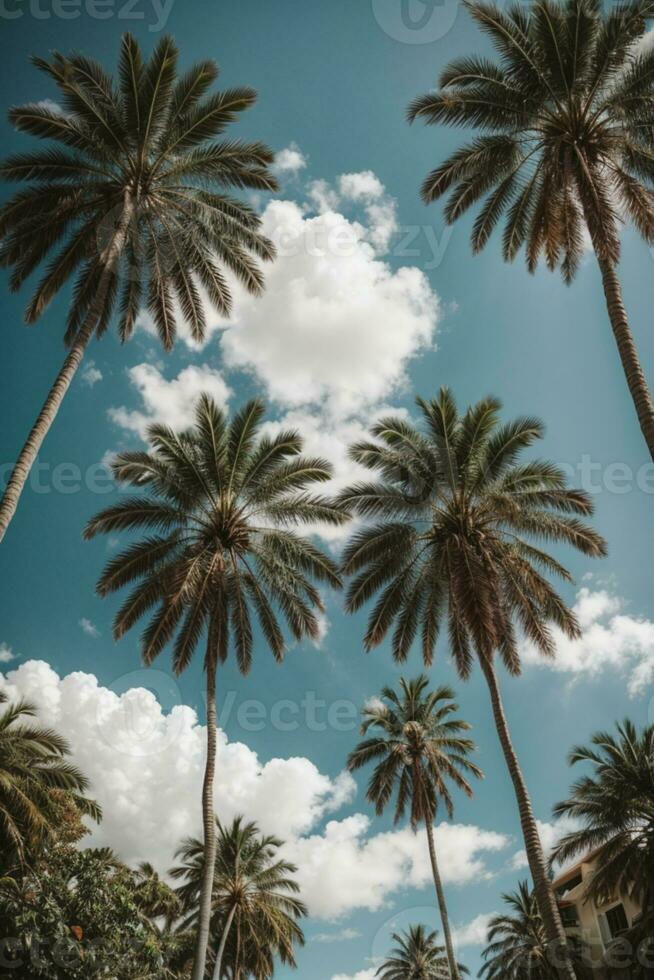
565,145
130,202
418,748
417,956
155,898
517,943
454,520
220,547
614,806
37,785
255,897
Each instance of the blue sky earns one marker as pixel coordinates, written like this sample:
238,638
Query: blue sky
337,337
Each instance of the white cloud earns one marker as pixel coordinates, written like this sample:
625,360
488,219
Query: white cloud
611,640
472,933
89,628
169,402
550,834
336,325
91,374
338,936
290,160
146,765
346,868
362,186
361,975
6,654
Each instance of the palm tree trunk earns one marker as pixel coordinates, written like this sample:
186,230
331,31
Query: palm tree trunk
208,819
633,372
223,942
440,895
545,898
48,413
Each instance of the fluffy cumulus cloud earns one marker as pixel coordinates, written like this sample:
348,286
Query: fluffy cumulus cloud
346,867
169,401
472,933
336,325
290,160
550,834
146,764
612,639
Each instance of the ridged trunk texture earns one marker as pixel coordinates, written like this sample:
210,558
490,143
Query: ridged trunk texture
208,820
440,895
545,897
633,372
223,942
48,413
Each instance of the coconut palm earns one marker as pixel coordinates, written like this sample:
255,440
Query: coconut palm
565,121
38,785
417,956
453,522
129,201
419,748
220,512
255,898
614,806
517,944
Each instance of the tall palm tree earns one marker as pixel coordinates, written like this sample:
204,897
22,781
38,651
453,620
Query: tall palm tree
453,523
565,144
517,943
255,898
220,516
614,805
417,956
419,748
129,201
37,784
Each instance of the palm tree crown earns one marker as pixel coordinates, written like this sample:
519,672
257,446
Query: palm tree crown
418,747
253,888
517,944
566,118
417,956
452,518
565,121
615,808
37,783
132,194
221,544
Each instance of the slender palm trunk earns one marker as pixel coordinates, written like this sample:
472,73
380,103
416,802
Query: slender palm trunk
633,372
549,910
440,895
223,942
208,819
62,382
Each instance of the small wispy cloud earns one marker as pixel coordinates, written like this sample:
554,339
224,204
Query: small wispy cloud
290,160
339,936
89,628
91,374
6,654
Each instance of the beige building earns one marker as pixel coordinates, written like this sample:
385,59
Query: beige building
597,926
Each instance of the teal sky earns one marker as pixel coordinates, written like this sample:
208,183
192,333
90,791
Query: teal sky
334,79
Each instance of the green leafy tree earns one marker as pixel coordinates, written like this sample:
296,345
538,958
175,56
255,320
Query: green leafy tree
418,748
453,522
614,806
564,118
76,914
129,202
220,512
42,794
417,956
256,909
